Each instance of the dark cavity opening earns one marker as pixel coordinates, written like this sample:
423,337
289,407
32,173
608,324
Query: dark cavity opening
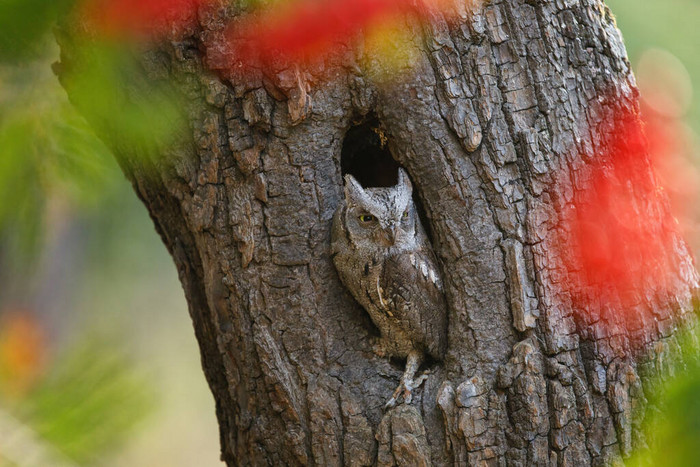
366,157
428,363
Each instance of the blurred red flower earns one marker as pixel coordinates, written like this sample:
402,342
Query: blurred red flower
306,29
140,19
618,237
22,351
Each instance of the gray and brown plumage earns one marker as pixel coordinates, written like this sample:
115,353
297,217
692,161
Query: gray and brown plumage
384,258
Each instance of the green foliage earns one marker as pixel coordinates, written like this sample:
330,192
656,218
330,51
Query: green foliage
24,25
138,116
90,402
93,396
49,152
46,150
673,423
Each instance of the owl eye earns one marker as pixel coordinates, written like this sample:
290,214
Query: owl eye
405,215
366,218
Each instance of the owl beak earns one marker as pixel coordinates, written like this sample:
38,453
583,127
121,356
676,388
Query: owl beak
391,233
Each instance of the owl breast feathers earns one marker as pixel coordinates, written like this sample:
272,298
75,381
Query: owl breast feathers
384,258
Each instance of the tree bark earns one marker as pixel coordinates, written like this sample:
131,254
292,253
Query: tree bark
498,123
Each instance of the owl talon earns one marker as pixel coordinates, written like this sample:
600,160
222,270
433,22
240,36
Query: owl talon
397,393
406,388
407,396
378,348
408,383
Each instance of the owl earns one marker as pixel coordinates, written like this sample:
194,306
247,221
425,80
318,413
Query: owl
385,259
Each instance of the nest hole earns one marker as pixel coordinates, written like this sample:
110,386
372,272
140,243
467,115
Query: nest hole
428,363
366,157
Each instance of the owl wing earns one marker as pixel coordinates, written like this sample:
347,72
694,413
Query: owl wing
411,292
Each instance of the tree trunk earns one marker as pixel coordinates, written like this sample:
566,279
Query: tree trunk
500,123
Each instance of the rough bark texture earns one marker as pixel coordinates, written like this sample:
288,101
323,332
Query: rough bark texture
499,103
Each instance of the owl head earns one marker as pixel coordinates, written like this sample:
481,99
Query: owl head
380,217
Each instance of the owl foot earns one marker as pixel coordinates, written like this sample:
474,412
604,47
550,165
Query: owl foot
406,387
408,382
378,347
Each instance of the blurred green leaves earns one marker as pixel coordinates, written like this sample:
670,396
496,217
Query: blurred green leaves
137,115
47,149
90,402
93,395
672,425
24,25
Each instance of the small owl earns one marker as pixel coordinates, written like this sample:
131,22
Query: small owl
384,258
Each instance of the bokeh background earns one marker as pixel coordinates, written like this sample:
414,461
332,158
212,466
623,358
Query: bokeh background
98,360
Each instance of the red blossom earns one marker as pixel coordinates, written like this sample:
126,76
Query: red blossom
305,31
140,19
620,242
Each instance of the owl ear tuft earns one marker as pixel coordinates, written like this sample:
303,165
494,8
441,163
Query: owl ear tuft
353,189
404,181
